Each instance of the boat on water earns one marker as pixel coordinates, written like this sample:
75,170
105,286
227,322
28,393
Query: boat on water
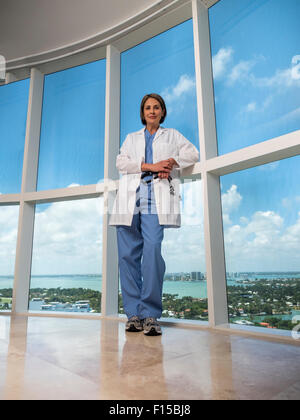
46,307
243,322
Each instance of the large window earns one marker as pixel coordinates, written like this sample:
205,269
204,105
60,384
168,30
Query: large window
9,216
72,130
256,68
261,216
67,257
13,114
164,65
185,291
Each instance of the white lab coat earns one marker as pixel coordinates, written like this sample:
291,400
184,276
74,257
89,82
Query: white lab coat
167,143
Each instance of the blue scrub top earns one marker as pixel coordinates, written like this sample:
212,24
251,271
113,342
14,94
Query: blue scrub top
146,193
148,150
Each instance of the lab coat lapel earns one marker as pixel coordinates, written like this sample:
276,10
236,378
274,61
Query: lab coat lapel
141,144
141,139
158,133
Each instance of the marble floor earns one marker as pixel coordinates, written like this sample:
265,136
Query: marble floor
82,359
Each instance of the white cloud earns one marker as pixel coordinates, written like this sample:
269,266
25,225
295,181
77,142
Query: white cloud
289,77
240,72
275,88
282,78
186,84
192,207
183,249
262,242
295,74
290,240
256,107
244,220
220,61
265,223
231,201
9,216
67,238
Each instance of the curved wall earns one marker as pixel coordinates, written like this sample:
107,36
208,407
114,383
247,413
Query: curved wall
40,31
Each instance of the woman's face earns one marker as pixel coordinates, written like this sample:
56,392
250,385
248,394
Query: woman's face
152,112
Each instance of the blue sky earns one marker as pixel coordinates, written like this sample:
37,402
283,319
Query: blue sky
256,50
256,65
13,113
72,130
257,96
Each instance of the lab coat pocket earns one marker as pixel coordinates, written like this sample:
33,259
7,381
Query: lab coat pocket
163,151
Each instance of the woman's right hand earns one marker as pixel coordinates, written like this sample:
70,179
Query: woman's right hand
162,166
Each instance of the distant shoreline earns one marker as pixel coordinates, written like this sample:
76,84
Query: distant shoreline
180,284
229,275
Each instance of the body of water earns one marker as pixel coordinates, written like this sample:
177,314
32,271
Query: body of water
196,289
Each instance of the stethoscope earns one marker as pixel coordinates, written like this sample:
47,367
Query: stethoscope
155,176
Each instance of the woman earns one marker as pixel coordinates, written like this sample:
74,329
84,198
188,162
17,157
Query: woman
148,200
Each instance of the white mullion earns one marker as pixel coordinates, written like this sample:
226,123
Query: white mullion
214,250
110,274
26,212
9,199
213,225
64,194
285,146
204,87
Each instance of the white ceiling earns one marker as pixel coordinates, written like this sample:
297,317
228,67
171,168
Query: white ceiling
32,27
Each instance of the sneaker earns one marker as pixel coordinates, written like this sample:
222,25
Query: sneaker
134,324
151,327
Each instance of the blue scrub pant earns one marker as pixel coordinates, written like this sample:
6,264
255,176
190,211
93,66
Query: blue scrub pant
141,264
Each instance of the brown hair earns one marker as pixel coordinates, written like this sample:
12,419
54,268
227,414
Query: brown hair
162,104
